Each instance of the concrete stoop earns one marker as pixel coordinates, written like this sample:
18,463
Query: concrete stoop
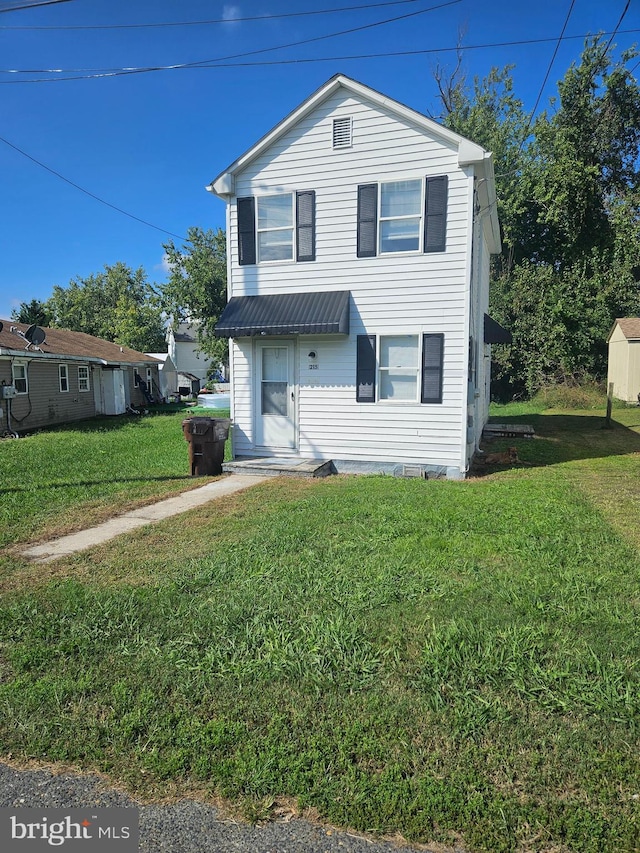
274,466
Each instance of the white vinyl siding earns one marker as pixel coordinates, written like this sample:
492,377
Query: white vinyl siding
396,293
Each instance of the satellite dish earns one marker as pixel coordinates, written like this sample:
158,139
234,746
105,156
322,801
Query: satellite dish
35,335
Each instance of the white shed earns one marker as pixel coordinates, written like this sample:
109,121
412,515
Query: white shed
624,359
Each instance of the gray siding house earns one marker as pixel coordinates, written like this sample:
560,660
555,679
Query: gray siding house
68,376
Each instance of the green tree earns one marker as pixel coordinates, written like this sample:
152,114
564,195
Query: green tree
34,312
197,286
118,305
492,116
569,202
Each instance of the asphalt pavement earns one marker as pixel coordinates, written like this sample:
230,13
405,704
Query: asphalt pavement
186,826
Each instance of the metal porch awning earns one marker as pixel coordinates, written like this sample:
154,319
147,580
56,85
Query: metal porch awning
494,333
324,313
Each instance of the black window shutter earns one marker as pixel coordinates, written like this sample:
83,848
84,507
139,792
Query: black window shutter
432,358
435,217
247,230
366,369
367,220
306,226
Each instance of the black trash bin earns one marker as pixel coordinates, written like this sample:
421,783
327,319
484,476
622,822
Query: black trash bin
206,438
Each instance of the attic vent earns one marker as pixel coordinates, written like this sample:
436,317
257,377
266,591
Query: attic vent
342,132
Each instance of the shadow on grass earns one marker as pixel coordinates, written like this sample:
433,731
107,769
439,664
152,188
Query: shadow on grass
561,438
107,423
78,483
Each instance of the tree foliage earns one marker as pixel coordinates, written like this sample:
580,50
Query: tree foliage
197,286
568,188
118,305
34,312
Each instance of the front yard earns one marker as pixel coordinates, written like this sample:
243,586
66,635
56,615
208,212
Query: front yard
454,662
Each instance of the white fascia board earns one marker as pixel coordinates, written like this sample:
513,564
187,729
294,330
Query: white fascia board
489,203
34,355
25,354
468,152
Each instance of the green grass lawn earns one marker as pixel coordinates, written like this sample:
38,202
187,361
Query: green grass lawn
94,466
454,662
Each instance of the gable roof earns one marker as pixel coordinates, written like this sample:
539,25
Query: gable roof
62,343
629,326
468,152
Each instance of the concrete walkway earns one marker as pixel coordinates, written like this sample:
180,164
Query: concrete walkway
139,517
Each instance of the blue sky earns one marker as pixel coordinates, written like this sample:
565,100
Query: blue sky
149,142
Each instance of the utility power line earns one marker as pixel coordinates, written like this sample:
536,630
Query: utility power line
98,73
164,24
87,192
146,69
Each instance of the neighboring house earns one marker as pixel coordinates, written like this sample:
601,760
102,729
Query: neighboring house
56,376
192,366
167,375
624,359
359,238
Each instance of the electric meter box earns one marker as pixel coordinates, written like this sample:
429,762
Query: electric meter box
8,392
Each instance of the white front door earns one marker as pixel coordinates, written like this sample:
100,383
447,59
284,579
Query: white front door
275,395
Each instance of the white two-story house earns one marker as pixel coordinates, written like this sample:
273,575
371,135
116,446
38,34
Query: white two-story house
359,238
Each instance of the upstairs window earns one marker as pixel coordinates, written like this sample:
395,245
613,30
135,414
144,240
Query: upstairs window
277,228
402,216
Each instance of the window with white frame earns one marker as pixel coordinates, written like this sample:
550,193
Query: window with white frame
398,368
400,216
83,378
63,378
275,227
19,377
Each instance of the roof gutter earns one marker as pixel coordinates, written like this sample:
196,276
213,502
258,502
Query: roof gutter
5,352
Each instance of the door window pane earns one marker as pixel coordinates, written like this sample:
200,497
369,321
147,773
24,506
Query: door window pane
275,381
274,398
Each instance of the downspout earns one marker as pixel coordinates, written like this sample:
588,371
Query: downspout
464,464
